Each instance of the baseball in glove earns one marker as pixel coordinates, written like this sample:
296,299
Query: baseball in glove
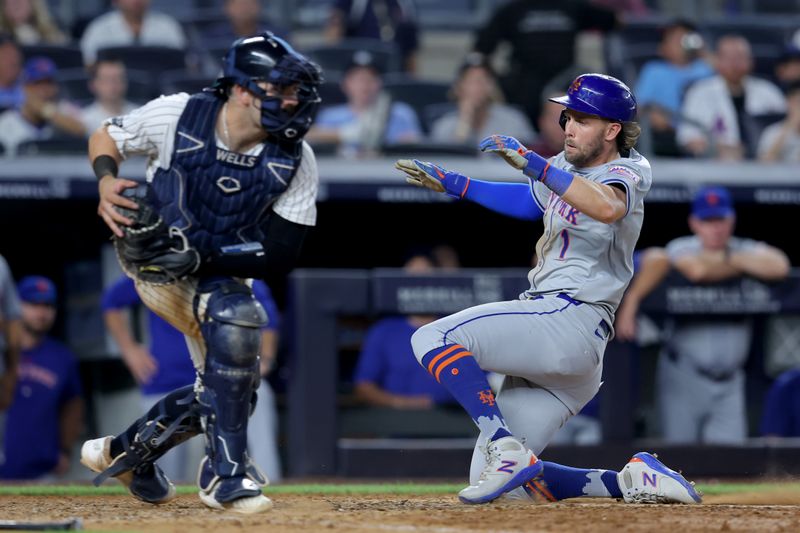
150,251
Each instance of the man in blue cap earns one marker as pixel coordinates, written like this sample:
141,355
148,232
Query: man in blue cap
46,415
700,380
42,115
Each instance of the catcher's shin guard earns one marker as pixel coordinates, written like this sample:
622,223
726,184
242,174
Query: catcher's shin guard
171,421
231,329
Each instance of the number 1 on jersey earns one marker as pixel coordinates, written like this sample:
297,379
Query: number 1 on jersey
565,236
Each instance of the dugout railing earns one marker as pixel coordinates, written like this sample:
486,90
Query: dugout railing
320,298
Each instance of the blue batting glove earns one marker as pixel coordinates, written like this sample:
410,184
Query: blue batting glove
515,154
425,174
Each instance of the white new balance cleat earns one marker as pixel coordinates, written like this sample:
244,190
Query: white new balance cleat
645,479
146,481
508,466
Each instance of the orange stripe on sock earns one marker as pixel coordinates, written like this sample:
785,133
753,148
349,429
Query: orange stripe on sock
456,357
442,355
543,490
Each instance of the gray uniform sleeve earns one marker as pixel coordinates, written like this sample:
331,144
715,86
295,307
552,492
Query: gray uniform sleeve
737,244
683,246
9,301
629,178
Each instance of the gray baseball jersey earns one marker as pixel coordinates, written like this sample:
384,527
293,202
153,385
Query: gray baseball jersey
587,259
9,305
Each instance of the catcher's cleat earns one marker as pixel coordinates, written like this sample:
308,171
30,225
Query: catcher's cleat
645,479
508,466
146,481
241,494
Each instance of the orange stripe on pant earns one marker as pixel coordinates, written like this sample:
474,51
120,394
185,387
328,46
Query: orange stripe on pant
456,357
443,355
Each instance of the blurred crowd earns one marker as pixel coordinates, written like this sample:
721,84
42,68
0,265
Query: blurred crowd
717,81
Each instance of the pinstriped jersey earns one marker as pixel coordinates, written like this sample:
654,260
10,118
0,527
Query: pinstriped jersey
151,129
587,259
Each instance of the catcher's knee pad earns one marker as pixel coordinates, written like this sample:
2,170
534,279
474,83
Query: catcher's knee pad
231,325
171,421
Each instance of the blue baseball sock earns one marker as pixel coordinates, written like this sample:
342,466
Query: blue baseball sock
455,368
559,482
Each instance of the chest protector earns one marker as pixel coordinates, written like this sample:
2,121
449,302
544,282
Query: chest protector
213,196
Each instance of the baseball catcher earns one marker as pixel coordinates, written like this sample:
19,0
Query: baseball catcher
230,195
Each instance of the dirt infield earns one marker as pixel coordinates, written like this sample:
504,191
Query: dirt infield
742,512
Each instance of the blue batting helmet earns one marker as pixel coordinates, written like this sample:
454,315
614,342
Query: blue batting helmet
268,58
601,95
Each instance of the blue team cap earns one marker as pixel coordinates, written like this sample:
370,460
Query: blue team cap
37,290
712,202
38,69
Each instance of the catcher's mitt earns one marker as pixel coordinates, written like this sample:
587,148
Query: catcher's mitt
149,250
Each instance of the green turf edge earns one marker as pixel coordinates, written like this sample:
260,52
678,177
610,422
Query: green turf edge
711,489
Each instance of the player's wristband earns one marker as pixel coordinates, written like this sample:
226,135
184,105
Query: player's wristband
538,168
536,165
104,165
556,180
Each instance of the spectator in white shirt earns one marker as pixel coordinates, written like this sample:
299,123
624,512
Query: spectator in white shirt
43,115
109,84
781,141
720,113
131,23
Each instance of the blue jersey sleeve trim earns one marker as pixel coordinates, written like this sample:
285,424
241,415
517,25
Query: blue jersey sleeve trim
627,192
539,204
511,199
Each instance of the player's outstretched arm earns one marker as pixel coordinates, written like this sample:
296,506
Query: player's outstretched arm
601,202
105,160
511,199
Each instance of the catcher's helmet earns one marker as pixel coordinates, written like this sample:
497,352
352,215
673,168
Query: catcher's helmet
601,95
265,57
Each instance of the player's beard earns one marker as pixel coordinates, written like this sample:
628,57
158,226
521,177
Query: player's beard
583,156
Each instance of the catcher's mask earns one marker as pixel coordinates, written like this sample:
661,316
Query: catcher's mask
268,58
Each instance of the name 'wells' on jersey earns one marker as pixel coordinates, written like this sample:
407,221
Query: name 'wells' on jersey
214,196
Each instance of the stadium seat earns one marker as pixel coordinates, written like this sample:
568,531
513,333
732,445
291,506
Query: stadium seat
310,13
428,148
331,92
152,59
180,9
335,58
57,146
416,93
433,112
64,56
178,81
451,14
74,85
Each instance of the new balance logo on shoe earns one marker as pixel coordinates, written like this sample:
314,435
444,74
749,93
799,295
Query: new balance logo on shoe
507,467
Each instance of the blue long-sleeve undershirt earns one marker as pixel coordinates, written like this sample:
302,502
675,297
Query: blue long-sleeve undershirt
512,199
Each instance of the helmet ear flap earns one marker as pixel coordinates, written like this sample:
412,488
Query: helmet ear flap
562,119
